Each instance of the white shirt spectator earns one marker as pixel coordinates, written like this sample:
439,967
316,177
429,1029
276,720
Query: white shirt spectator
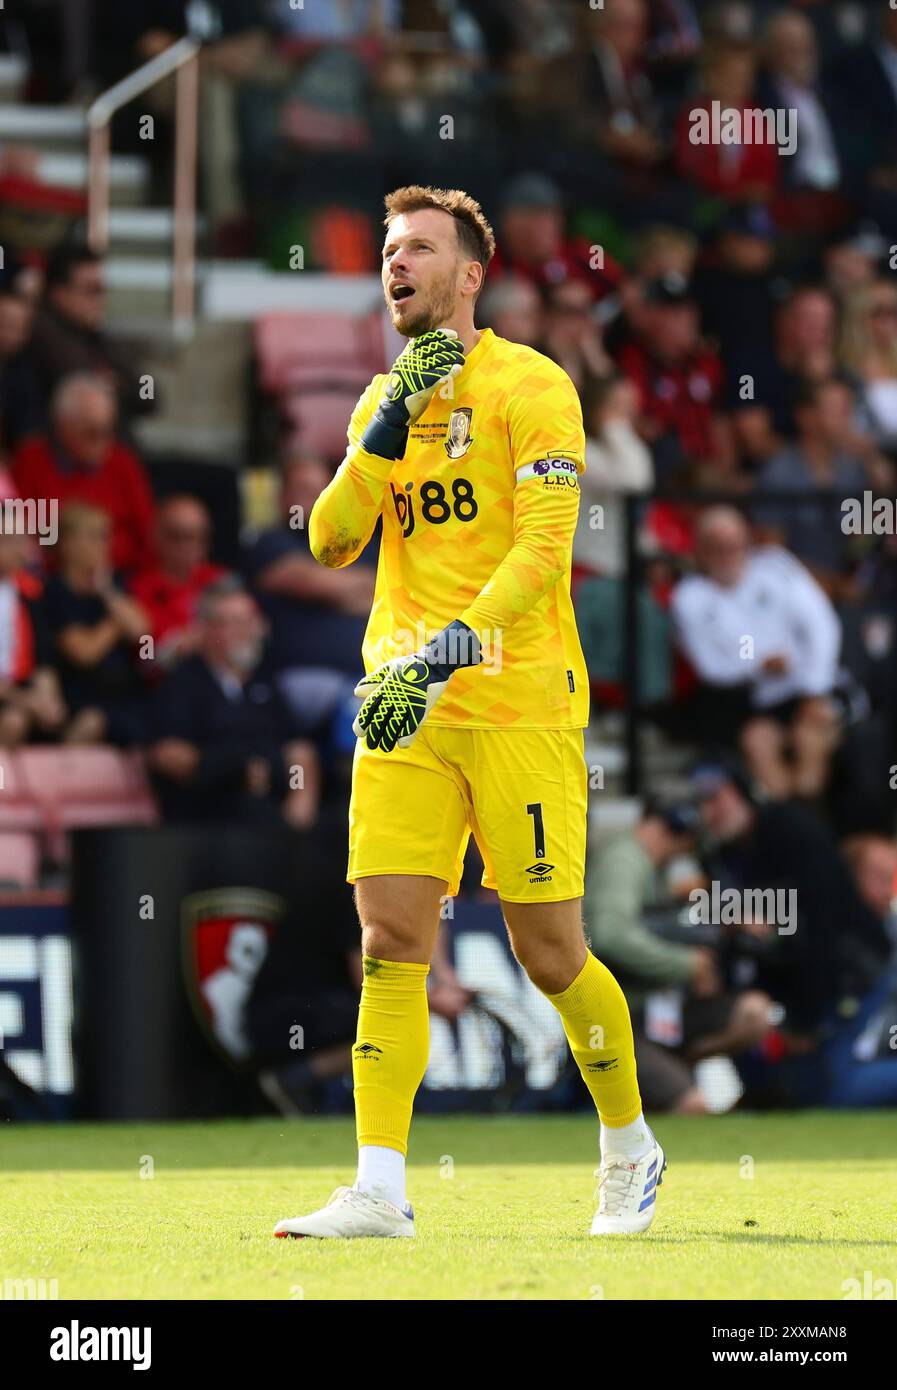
619,461
775,608
816,159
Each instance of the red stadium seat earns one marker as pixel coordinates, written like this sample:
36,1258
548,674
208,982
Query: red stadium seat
18,808
85,787
320,350
19,861
318,420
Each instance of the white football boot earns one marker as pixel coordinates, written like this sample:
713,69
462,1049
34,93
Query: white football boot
627,1193
349,1214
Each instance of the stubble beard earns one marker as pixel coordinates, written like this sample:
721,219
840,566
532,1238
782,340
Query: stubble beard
432,315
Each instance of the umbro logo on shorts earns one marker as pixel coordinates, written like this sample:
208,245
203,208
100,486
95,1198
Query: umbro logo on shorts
541,871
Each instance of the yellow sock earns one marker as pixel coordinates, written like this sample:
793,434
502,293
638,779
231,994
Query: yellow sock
596,1020
390,1054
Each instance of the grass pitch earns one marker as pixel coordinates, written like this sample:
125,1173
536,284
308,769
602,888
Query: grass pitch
782,1207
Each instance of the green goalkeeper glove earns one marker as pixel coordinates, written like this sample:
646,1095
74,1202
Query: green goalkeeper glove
416,374
402,692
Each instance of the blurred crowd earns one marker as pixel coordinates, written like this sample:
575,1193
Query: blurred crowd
728,313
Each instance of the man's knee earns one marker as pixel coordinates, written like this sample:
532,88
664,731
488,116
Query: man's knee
761,738
691,1102
750,1017
552,966
399,917
389,940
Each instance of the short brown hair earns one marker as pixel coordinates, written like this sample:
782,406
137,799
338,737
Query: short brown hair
475,237
77,516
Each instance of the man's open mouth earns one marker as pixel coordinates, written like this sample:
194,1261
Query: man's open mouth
400,292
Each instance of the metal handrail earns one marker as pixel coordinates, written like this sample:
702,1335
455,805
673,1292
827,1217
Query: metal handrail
181,59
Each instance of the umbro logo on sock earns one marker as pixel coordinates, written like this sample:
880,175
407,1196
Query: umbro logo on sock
367,1050
606,1065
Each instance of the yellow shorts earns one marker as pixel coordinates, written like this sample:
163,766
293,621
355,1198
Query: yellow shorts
521,792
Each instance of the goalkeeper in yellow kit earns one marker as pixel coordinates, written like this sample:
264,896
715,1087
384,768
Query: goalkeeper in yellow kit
477,694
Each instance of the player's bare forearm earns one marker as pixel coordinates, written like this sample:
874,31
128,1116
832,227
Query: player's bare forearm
343,518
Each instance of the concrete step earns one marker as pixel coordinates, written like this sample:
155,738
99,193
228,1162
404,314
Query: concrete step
128,174
609,815
241,290
201,392
140,287
150,273
145,232
42,125
141,224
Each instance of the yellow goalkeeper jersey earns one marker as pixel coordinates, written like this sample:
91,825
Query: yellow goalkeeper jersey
478,523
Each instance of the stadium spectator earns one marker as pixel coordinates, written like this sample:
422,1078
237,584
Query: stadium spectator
223,745
169,591
95,628
872,859
317,616
533,241
81,459
791,80
657,251
68,334
617,461
735,284
21,397
681,1010
660,250
678,378
31,702
619,108
761,388
315,975
573,336
853,259
512,307
821,460
764,642
818,949
867,79
869,348
738,170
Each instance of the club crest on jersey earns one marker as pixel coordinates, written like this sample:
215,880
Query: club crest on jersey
459,437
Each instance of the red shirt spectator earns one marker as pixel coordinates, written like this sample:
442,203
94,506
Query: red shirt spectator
532,242
81,460
681,397
678,379
169,591
740,171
